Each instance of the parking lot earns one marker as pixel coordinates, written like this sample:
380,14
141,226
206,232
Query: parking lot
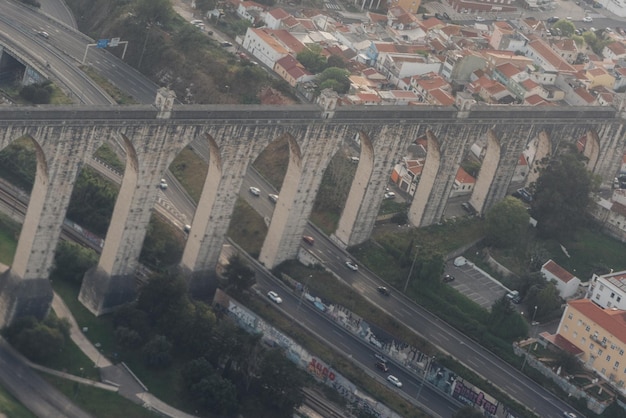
475,284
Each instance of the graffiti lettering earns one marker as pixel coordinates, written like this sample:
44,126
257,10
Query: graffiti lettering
242,316
467,395
320,370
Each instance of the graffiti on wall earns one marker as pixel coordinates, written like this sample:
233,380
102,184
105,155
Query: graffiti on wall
471,395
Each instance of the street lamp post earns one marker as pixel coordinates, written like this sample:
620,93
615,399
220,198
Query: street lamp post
406,285
429,363
304,289
532,327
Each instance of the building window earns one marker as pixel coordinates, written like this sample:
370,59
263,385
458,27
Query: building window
619,298
575,334
597,296
584,340
570,316
591,346
580,322
603,371
566,328
612,295
621,352
587,328
608,357
616,366
604,340
601,287
599,351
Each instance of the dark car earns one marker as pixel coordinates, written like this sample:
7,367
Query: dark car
448,278
446,16
381,358
552,19
383,290
382,366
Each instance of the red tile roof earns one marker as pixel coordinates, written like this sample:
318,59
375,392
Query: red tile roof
551,56
463,177
562,343
617,48
441,97
612,321
278,13
558,271
508,69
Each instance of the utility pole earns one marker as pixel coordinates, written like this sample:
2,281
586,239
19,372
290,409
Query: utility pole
532,327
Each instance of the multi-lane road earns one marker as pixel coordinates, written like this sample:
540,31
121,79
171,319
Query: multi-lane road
422,322
65,48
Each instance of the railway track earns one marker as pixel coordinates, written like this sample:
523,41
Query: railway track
318,403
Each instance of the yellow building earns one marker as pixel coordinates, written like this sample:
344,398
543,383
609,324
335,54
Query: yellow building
410,6
600,334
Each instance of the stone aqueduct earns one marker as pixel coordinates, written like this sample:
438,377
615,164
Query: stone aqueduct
65,137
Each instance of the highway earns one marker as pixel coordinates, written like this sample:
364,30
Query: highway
422,322
431,400
64,50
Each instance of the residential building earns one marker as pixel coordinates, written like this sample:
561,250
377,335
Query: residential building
609,290
411,6
598,336
614,51
290,70
250,11
566,283
463,182
273,18
599,77
270,45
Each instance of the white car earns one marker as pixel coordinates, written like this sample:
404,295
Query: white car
255,191
274,297
394,381
480,19
273,197
587,19
390,195
163,184
352,265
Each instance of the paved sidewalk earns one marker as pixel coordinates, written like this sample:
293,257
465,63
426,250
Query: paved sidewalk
115,376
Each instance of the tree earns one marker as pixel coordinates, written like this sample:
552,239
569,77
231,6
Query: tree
71,261
240,276
38,341
506,223
312,59
336,61
561,196
154,11
280,383
546,298
334,78
505,322
39,93
567,28
157,352
216,394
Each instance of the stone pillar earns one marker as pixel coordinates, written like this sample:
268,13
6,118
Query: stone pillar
543,149
381,147
25,289
487,172
298,193
426,182
112,282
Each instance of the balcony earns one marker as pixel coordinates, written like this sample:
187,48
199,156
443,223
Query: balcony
597,340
